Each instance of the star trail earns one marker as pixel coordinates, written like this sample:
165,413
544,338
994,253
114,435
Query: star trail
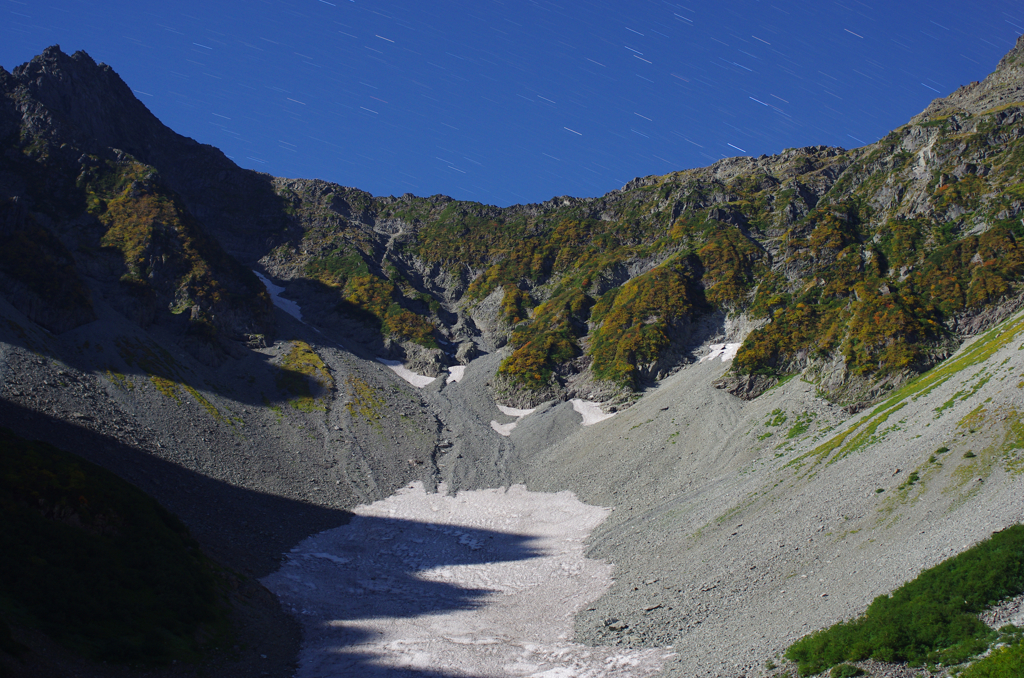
524,100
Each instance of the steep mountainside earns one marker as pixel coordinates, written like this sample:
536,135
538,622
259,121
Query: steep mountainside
136,333
74,204
863,267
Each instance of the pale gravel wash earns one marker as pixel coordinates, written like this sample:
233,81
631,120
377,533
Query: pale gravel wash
484,583
729,543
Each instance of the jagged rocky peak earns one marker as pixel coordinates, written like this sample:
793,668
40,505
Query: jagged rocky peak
1005,85
1013,61
91,98
72,99
100,200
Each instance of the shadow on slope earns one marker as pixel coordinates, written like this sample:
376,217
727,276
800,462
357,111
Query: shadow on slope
98,564
243,528
249,530
360,580
128,355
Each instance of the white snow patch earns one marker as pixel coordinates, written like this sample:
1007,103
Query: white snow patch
591,411
723,351
503,429
515,412
417,380
455,373
286,305
485,583
506,429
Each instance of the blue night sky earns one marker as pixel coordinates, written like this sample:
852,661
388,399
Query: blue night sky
522,100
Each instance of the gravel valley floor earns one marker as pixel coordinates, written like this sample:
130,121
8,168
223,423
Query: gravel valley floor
732,527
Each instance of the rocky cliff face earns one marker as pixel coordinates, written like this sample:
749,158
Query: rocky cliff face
863,267
1003,86
860,266
86,213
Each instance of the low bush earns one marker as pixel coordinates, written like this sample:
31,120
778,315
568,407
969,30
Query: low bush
930,619
1004,662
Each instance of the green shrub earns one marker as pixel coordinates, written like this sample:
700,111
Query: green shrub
846,671
1004,662
802,424
373,299
932,618
548,340
730,262
515,305
304,376
337,267
635,320
410,325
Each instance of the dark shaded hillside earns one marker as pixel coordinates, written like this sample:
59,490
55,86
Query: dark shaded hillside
99,565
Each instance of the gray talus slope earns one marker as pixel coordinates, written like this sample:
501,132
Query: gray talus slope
740,526
236,451
731,518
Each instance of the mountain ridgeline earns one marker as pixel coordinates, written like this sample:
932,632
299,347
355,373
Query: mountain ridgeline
858,268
